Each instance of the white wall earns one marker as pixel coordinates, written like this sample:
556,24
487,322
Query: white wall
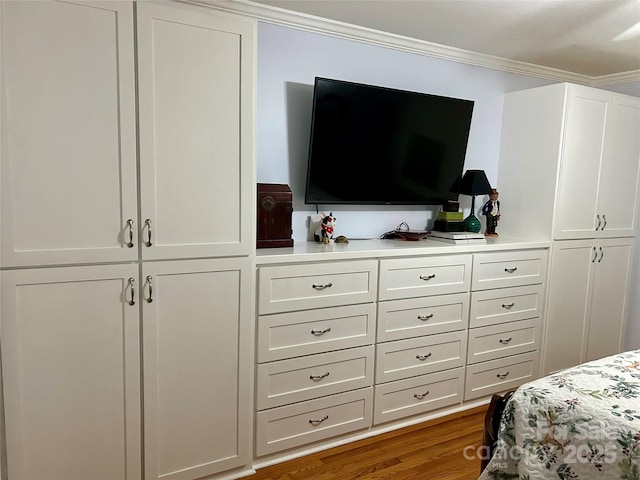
288,62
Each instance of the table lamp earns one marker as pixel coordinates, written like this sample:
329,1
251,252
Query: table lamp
473,182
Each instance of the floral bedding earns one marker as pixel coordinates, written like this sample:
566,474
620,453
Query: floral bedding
581,423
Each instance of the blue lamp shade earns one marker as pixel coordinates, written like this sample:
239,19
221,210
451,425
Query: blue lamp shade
473,182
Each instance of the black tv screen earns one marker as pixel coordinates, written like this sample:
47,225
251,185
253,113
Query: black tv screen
375,145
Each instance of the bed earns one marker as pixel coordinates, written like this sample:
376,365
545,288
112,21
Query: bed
581,423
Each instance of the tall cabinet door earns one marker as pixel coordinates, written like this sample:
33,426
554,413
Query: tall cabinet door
584,142
568,303
196,89
609,299
71,373
618,190
197,367
68,153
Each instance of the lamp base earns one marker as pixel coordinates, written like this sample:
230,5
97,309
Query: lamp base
472,224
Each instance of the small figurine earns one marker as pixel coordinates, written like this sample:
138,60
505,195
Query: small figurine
324,233
491,210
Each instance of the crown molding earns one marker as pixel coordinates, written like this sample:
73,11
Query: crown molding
616,78
311,23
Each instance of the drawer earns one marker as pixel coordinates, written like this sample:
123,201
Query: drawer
509,269
287,288
287,335
299,379
399,319
294,425
489,343
486,378
418,356
418,395
417,277
492,307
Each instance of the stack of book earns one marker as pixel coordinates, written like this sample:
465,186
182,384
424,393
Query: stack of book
462,238
449,222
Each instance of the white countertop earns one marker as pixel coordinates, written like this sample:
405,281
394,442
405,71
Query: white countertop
376,248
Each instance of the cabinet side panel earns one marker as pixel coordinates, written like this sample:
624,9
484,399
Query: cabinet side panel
530,146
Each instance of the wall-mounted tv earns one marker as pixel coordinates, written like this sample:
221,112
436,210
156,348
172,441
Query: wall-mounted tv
374,146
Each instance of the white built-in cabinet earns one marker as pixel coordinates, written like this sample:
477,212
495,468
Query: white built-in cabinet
195,81
568,172
589,315
126,344
68,149
71,372
363,341
600,162
196,397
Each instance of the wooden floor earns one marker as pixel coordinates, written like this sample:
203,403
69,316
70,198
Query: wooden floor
429,451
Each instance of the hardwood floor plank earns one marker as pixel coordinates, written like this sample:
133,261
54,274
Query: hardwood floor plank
432,450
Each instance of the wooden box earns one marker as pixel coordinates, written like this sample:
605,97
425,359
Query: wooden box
275,206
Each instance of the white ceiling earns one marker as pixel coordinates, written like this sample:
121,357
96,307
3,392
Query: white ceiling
586,37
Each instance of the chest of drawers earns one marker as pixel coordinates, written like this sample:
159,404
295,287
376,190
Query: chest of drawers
357,344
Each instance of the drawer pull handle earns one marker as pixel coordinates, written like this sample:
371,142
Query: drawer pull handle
130,283
502,376
321,332
149,280
423,357
130,228
321,286
318,422
420,396
425,317
511,270
147,223
599,222
604,219
428,277
504,342
601,255
315,378
508,305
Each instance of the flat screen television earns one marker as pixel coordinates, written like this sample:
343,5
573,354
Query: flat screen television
379,146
